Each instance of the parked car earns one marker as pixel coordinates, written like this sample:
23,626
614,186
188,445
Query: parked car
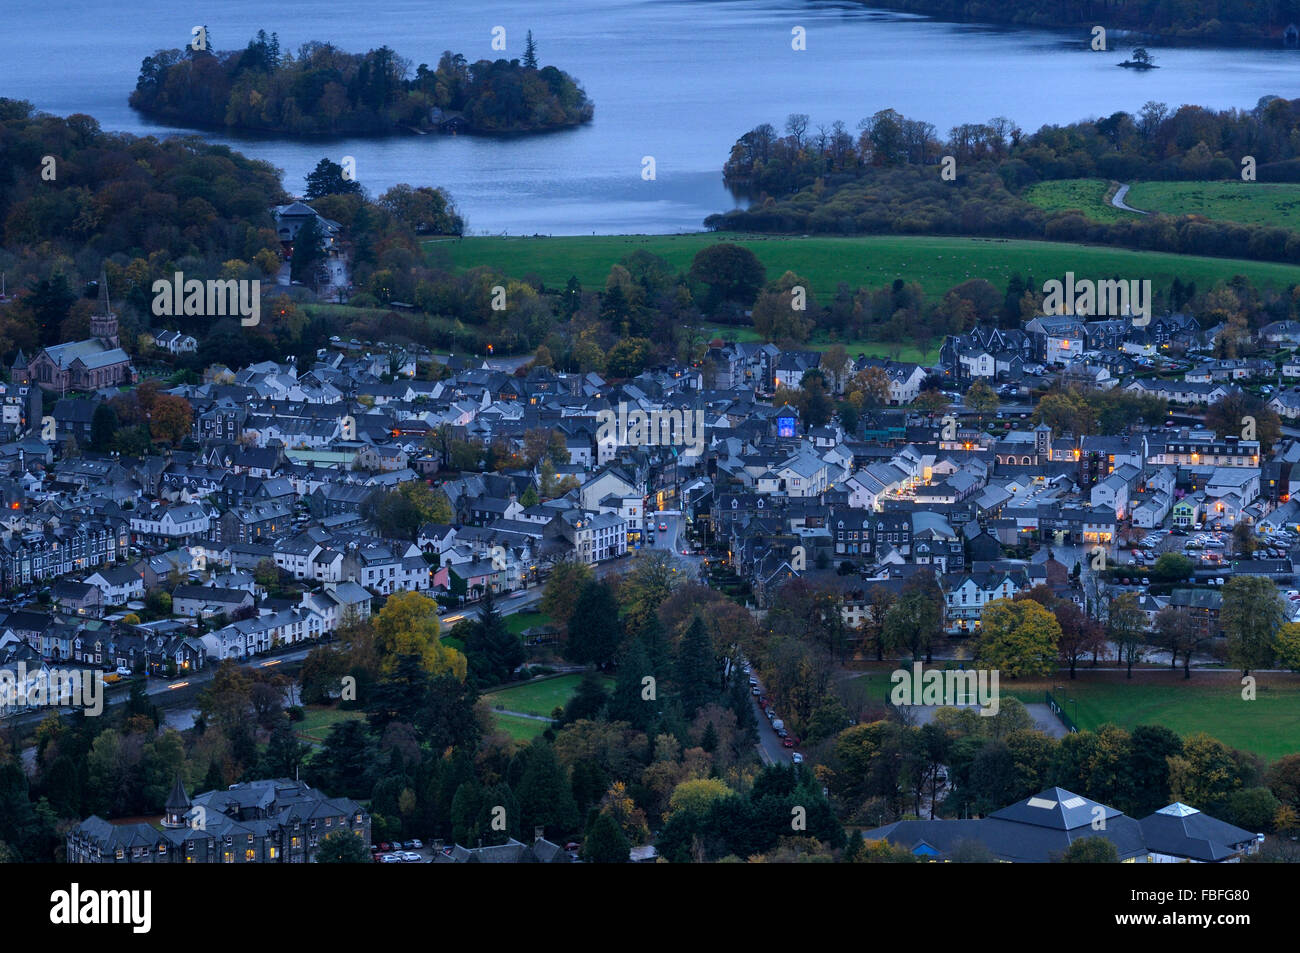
123,671
788,741
411,857
797,758
389,859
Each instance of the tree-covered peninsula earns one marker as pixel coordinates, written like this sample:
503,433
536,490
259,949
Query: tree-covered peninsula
324,90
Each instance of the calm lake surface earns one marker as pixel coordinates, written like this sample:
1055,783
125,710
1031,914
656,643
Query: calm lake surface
679,80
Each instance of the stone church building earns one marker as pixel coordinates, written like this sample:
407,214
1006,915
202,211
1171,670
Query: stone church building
81,365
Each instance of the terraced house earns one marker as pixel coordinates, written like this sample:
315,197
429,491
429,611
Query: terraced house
55,551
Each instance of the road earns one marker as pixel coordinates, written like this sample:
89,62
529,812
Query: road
673,539
1117,200
770,748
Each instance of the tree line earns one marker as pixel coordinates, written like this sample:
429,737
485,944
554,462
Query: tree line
886,180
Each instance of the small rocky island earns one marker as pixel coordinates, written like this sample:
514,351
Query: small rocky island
1141,60
324,90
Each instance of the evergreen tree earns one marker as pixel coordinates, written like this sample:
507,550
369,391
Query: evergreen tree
697,669
400,695
605,842
629,702
854,847
652,636
447,719
328,179
545,798
137,702
284,753
530,52
492,650
572,297
594,628
589,783
466,808
343,766
588,701
214,780
498,818
103,428
307,263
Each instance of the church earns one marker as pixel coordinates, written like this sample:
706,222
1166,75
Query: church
81,365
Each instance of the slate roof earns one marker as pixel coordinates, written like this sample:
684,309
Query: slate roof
1182,831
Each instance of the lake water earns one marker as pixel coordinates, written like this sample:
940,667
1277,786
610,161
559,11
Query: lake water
679,80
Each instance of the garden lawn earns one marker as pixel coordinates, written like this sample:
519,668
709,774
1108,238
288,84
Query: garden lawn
519,729
519,621
539,697
320,719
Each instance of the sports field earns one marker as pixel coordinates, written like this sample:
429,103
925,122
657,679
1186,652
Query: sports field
1210,702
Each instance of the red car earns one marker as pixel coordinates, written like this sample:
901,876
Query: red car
384,848
788,741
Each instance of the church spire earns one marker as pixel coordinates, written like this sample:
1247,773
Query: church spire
103,323
103,293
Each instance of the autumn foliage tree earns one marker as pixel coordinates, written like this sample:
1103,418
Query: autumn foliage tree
408,625
1018,638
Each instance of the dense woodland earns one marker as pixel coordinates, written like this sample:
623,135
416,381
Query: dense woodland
886,179
324,90
1210,20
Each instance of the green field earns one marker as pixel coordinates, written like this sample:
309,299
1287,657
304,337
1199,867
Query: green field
537,697
937,263
1249,203
1211,702
517,622
519,729
319,720
1269,726
1089,196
